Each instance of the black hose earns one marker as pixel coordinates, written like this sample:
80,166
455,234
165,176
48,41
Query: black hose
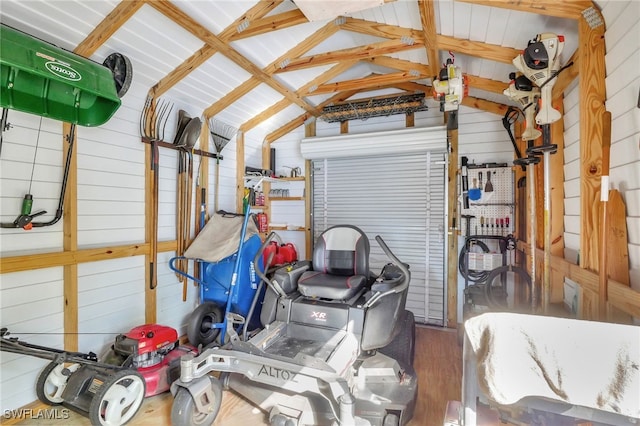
496,295
471,275
63,190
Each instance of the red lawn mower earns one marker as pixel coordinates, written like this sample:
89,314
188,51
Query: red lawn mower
141,363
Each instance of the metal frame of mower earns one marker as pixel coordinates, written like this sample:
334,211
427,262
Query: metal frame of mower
305,388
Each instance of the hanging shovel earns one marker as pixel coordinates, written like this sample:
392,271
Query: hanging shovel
489,186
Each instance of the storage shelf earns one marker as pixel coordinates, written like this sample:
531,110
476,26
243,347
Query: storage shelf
287,228
289,179
286,198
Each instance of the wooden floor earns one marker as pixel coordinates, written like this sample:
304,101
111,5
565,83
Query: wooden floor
438,364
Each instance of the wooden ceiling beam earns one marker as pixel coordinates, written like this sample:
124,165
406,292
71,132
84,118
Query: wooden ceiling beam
360,53
489,85
373,98
231,97
412,86
484,105
284,103
401,64
270,23
369,83
493,86
428,19
300,120
306,45
207,51
469,101
109,25
378,29
560,9
265,115
478,49
187,22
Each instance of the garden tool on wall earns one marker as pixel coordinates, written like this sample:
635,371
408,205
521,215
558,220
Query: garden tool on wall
526,94
450,86
540,62
522,91
187,137
153,123
221,134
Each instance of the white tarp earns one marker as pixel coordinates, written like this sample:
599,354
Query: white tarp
219,238
586,363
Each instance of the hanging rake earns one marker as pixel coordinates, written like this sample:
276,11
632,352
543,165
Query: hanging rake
221,133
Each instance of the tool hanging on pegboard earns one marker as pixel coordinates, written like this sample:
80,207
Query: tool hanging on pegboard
489,199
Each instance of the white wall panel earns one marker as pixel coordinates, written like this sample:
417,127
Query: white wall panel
31,307
623,85
110,301
572,172
171,310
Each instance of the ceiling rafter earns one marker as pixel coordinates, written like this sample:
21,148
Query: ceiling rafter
560,9
231,97
428,19
187,22
109,25
309,43
207,51
478,49
378,29
374,81
413,86
284,103
401,64
484,105
493,86
271,23
360,52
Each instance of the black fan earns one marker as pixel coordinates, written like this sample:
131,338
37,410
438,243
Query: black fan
122,71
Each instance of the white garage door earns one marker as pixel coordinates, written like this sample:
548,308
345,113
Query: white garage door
400,197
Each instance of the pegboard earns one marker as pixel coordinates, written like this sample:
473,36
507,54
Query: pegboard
492,207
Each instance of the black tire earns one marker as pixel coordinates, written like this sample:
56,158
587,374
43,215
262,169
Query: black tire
497,294
123,389
199,329
403,347
51,382
122,72
391,420
183,410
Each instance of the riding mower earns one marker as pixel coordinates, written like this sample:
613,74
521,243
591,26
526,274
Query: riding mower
337,345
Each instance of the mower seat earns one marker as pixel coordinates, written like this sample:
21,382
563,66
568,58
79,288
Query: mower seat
340,265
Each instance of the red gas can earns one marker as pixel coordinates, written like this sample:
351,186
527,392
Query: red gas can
271,249
288,252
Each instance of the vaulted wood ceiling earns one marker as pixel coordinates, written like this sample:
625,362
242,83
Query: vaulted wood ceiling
273,69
